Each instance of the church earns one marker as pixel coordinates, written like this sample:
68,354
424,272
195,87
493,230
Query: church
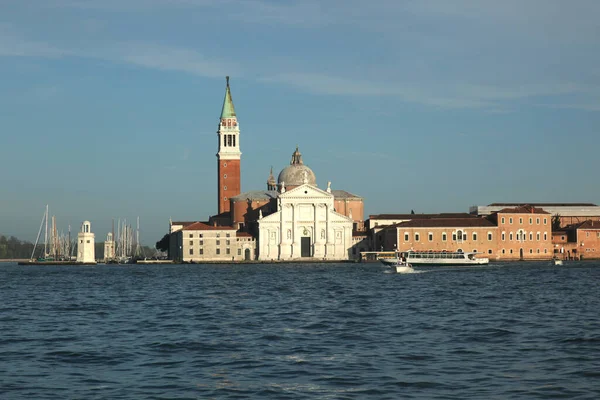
292,219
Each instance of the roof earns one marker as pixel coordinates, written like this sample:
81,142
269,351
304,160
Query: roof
256,195
542,204
202,226
526,209
589,225
228,109
422,216
243,234
342,194
445,223
183,223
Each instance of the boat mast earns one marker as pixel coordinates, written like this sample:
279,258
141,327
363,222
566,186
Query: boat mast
38,235
46,234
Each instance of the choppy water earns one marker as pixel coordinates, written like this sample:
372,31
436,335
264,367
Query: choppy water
347,331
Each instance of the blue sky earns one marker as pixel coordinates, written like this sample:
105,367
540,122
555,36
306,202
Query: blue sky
109,108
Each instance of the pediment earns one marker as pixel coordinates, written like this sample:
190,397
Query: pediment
306,191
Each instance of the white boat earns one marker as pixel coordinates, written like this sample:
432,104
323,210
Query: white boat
400,266
442,258
557,261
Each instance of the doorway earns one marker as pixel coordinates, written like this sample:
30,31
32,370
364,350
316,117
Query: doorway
305,247
521,254
247,254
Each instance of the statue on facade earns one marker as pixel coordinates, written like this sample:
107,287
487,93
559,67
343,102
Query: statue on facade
329,187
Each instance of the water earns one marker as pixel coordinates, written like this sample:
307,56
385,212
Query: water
347,331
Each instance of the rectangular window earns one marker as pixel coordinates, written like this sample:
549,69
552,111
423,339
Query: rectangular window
490,236
474,236
202,243
225,140
229,140
191,252
88,241
191,235
227,251
218,235
227,235
200,235
417,237
218,242
240,252
454,237
406,236
218,251
430,237
191,242
201,251
227,242
444,237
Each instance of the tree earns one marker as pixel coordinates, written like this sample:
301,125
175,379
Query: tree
556,222
412,211
163,244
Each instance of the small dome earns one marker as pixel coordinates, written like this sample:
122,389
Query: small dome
296,173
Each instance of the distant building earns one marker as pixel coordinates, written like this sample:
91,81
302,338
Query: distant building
570,213
198,242
520,233
578,241
86,251
525,233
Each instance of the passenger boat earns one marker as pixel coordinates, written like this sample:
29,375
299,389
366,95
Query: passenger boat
442,258
557,261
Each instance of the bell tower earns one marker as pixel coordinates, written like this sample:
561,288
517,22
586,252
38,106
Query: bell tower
229,155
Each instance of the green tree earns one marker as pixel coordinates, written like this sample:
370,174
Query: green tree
163,244
556,222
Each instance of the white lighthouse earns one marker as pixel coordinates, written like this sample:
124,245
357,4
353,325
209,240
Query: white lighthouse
86,244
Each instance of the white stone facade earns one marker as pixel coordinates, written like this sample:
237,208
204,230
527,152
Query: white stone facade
305,226
86,252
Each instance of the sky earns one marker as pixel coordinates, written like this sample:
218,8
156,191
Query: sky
109,108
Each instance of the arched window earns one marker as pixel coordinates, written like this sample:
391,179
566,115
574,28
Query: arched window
459,235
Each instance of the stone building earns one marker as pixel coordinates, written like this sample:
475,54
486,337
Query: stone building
198,242
569,213
578,241
520,233
525,233
444,234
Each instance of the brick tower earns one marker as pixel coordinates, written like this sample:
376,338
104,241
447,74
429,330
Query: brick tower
229,155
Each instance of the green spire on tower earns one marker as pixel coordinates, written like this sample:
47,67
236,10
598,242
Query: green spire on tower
228,110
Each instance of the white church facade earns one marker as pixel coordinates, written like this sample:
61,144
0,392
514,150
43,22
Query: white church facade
305,225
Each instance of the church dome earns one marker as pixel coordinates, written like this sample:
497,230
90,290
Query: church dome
296,173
